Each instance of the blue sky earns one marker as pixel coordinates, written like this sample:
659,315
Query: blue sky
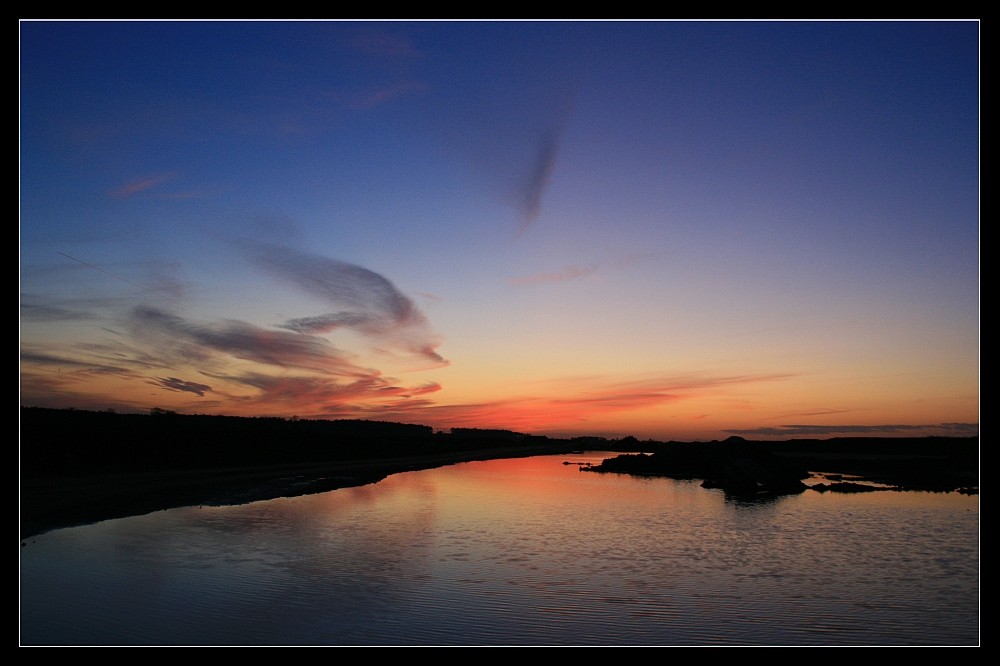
667,229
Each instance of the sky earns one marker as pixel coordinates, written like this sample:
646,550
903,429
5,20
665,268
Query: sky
671,230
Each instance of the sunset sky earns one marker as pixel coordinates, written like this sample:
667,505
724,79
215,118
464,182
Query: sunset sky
672,230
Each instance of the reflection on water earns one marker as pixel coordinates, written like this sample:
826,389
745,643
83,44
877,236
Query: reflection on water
516,552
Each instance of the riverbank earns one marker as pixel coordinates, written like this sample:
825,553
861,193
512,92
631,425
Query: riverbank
80,467
65,500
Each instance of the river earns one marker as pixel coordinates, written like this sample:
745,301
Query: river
526,551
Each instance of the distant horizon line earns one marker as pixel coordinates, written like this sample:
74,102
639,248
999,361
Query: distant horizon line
765,434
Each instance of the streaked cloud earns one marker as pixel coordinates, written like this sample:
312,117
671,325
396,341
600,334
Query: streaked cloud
61,391
808,430
374,96
512,137
338,282
175,384
135,187
72,366
820,411
329,322
531,187
122,350
40,312
592,399
182,196
967,428
199,341
320,395
566,274
369,302
295,369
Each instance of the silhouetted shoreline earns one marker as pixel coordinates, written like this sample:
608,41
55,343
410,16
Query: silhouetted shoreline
770,468
80,467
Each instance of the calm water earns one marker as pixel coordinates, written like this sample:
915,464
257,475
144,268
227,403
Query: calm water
516,552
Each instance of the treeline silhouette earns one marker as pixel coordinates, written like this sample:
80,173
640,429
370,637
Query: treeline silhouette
81,466
59,441
66,440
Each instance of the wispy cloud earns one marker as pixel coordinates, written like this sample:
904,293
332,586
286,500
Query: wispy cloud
590,399
531,187
296,370
182,196
513,135
121,350
819,411
635,394
72,366
374,96
564,275
968,428
135,187
368,302
61,390
182,339
40,312
175,384
329,322
803,430
319,395
291,368
54,379
338,282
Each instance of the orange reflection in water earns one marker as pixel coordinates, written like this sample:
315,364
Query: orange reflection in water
551,486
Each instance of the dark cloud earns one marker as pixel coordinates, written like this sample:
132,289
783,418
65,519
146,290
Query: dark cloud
120,351
536,177
71,365
323,395
329,322
312,377
429,351
39,312
362,291
174,384
510,125
965,428
192,341
58,390
296,369
423,389
368,302
305,389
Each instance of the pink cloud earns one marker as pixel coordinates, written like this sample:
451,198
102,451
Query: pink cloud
569,273
372,97
595,399
135,187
